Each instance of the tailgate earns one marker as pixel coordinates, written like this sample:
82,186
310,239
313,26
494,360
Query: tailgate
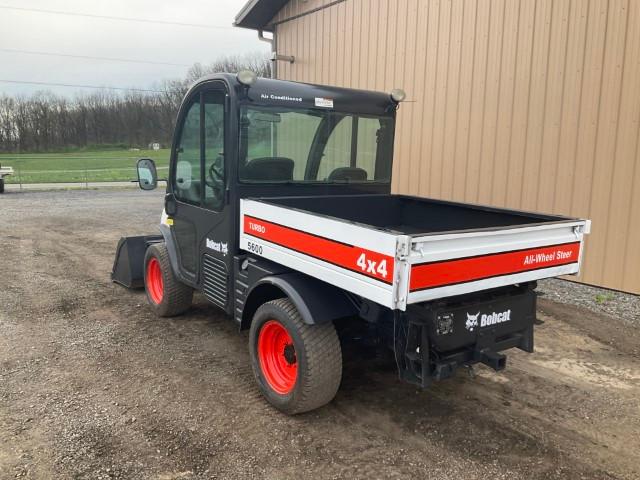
457,263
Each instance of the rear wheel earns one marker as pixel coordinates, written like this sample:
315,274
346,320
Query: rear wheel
1,185
165,292
298,367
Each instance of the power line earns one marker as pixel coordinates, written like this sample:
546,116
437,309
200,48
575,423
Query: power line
109,17
89,57
53,84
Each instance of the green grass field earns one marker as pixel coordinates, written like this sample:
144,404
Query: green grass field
81,166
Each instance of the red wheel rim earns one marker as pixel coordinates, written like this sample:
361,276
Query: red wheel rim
277,356
154,280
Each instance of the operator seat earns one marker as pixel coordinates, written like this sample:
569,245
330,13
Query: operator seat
269,169
353,174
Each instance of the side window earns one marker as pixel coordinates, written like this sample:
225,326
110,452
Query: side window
188,172
214,171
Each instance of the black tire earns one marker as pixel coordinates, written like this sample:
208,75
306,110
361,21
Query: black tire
1,185
176,297
317,353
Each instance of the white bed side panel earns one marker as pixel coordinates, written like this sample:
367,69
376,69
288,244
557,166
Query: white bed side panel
333,230
360,285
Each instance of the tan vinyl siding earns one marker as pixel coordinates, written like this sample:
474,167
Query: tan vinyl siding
529,104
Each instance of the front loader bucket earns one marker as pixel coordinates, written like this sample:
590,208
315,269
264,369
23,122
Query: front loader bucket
128,267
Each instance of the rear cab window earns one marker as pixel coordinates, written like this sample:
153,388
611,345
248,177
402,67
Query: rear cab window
301,145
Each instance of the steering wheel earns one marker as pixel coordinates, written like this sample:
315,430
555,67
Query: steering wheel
216,175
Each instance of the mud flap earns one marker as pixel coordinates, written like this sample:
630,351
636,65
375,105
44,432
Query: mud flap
128,268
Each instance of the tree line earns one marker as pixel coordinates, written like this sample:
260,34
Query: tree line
45,122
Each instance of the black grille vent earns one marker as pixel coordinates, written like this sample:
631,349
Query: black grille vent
215,280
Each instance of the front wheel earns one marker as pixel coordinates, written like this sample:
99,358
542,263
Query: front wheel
298,367
166,294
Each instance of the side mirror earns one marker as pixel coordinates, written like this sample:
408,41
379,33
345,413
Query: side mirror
147,174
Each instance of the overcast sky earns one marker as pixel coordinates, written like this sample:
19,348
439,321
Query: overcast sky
75,35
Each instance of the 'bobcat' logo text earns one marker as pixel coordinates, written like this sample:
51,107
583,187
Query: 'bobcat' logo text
220,247
487,320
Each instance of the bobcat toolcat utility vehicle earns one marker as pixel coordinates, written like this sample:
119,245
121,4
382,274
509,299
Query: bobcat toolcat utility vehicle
278,208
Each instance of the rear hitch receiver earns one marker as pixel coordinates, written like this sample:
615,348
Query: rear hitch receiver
495,360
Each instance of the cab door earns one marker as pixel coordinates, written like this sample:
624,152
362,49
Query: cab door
197,191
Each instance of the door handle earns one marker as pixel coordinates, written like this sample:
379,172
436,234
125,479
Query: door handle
170,205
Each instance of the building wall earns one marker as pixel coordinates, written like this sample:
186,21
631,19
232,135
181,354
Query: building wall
529,104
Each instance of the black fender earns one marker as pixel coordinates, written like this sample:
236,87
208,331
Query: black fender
318,302
165,230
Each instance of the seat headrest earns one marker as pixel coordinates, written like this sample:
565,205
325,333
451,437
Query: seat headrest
348,173
269,168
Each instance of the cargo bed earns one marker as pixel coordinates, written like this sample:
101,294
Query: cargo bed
397,250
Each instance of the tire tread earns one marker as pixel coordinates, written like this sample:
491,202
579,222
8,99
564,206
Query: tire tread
324,360
177,297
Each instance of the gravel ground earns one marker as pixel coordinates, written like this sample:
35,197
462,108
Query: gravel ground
94,386
623,306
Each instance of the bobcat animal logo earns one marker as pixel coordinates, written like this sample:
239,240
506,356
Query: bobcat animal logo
472,321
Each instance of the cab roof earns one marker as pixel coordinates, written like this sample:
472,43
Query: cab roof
285,93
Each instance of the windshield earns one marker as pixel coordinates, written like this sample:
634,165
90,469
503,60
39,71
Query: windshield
314,146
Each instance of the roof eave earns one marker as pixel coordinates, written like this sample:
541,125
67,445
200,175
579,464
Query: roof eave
257,14
266,28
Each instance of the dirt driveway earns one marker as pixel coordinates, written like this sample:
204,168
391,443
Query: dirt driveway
93,386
